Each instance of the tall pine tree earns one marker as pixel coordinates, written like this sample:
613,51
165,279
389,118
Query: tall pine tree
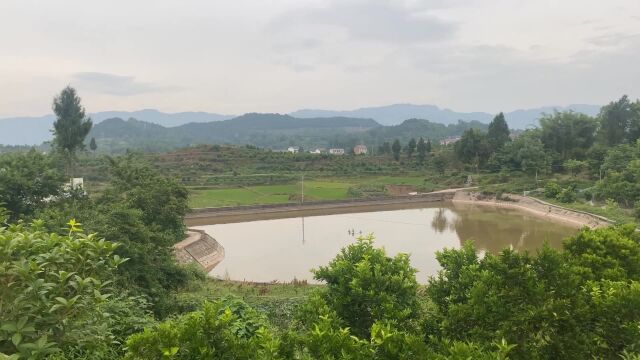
71,126
498,133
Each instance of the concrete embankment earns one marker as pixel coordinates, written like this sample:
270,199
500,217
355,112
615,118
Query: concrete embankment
199,248
537,207
223,215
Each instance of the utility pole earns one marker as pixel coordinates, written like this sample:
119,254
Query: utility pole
302,186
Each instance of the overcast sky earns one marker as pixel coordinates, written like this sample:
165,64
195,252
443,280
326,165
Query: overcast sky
240,56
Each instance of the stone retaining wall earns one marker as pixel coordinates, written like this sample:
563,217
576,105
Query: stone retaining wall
200,248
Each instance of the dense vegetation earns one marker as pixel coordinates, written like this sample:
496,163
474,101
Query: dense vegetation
271,131
93,277
521,306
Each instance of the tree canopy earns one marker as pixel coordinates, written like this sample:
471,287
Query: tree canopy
71,125
498,132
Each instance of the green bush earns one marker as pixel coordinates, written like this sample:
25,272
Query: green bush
580,303
222,330
27,181
364,285
552,190
61,294
567,195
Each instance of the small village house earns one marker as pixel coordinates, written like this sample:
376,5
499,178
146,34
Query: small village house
449,140
360,149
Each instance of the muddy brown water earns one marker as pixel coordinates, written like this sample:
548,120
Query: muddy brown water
284,249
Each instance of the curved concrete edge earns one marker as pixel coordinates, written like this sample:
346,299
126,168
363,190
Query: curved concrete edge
200,248
537,207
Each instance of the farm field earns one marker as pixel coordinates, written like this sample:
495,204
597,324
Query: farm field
314,190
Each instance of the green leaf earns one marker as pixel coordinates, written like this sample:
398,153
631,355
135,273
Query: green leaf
16,338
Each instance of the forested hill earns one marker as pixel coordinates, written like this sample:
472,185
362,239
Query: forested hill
415,128
264,130
272,131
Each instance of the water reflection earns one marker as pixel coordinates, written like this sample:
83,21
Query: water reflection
493,229
286,248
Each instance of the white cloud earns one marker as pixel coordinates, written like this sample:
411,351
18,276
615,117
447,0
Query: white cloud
281,55
118,85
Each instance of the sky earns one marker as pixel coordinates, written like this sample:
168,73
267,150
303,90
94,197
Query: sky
238,56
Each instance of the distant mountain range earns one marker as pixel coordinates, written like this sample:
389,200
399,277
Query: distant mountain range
35,130
395,114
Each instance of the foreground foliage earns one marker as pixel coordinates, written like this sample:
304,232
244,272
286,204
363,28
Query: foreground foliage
581,303
57,294
141,210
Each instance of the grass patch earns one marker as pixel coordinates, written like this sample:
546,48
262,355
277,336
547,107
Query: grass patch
319,189
617,214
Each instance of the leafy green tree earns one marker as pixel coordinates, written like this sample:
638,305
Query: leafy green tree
143,211
220,331
531,154
570,296
568,134
439,163
428,146
609,253
574,166
633,132
27,180
615,120
618,157
229,329
364,285
567,195
422,150
621,180
92,144
411,147
385,148
473,147
59,288
498,133
396,148
552,190
71,126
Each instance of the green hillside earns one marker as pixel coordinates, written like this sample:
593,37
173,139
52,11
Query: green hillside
271,131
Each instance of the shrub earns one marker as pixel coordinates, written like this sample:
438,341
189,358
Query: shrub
567,195
364,285
225,329
585,299
59,288
552,190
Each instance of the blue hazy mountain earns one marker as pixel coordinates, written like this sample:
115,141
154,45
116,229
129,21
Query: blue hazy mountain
35,130
396,114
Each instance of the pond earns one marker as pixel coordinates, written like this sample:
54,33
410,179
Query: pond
284,249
